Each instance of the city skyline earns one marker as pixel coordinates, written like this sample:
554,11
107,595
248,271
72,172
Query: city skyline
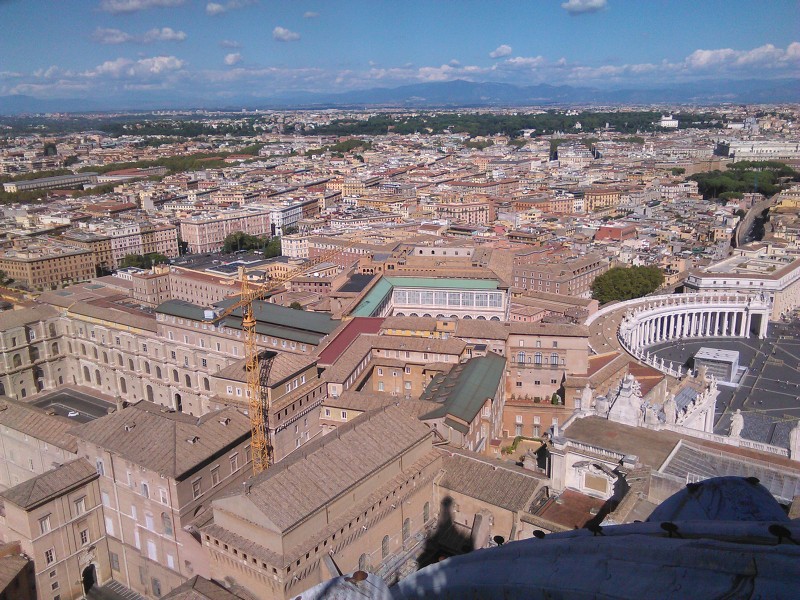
236,49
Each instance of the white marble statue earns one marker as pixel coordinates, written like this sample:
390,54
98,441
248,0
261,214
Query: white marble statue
737,423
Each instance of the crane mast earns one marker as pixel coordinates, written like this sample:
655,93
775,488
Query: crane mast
259,363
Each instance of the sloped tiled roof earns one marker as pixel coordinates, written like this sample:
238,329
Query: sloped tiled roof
160,441
33,492
200,588
35,422
322,470
495,483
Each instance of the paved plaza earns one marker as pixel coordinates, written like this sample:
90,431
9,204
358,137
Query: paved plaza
770,390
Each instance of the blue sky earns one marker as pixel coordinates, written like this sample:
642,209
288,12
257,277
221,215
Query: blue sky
240,48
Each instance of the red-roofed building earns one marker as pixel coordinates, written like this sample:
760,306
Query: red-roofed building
349,333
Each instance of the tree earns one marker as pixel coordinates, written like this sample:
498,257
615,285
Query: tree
273,248
5,279
142,262
678,170
296,305
621,283
134,260
238,240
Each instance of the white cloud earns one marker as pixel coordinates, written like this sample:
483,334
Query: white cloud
233,58
214,8
766,56
127,6
217,8
284,35
310,14
233,44
144,67
528,62
165,34
501,51
105,35
579,7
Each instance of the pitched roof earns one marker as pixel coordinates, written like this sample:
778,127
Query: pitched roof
464,390
10,319
35,422
170,443
284,366
490,481
323,470
34,492
200,588
345,337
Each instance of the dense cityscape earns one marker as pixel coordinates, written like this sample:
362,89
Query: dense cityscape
393,344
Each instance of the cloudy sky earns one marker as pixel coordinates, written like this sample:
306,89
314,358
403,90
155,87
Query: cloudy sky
239,48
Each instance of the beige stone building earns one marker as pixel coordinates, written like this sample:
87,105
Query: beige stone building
32,442
291,528
58,519
44,265
158,471
557,274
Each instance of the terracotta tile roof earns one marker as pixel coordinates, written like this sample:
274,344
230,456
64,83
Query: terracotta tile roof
491,481
200,588
35,422
34,492
18,318
571,509
324,469
169,443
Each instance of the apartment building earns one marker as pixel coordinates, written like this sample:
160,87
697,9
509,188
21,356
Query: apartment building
600,198
162,283
46,264
205,232
558,274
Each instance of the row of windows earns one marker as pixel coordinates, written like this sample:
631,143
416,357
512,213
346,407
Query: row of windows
431,298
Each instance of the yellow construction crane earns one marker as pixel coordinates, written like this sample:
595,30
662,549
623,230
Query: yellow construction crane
258,363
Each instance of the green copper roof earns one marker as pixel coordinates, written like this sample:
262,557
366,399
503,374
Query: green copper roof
465,388
374,298
440,282
368,307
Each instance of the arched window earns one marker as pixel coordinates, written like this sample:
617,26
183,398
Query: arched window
149,393
105,357
520,357
86,377
385,547
406,530
52,329
158,373
123,387
94,352
167,521
188,381
363,562
426,512
2,389
69,345
147,367
537,358
119,360
175,376
54,348
34,353
130,364
554,358
206,384
83,349
97,379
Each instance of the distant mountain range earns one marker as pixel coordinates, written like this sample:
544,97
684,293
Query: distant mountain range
440,94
